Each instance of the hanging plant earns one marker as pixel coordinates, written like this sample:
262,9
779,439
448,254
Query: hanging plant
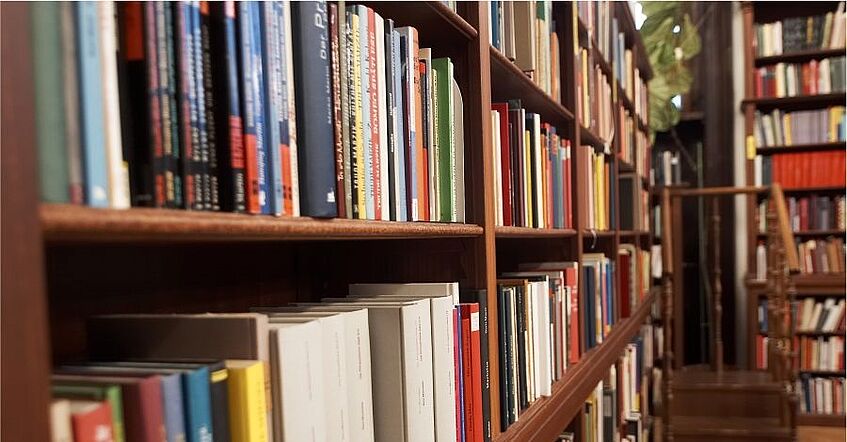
670,39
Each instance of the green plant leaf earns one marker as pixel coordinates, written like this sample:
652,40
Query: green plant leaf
655,29
651,8
689,39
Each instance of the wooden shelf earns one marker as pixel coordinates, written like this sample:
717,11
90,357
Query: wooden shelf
546,417
810,233
509,82
799,102
799,56
821,372
69,223
531,232
810,333
588,233
587,136
814,189
633,233
605,66
438,24
821,420
826,284
814,147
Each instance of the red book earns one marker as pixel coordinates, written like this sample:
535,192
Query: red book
457,323
573,322
142,403
91,421
624,261
472,372
373,90
505,161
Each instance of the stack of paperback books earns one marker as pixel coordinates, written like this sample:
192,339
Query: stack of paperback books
280,108
387,362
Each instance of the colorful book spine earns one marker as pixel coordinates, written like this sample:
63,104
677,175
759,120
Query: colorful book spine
202,148
336,40
446,160
400,140
187,106
245,28
272,67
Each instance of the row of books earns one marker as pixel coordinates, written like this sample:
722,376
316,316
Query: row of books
797,34
524,31
667,168
633,277
634,203
594,103
810,316
388,362
634,146
779,128
622,396
539,311
533,167
821,395
800,169
821,256
599,191
794,79
815,212
821,353
628,75
598,20
274,108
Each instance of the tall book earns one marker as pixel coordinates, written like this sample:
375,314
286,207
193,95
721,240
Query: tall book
314,103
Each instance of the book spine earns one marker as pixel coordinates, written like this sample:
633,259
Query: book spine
314,102
259,100
247,405
91,107
167,95
367,130
187,106
480,297
245,28
460,352
202,148
357,145
271,65
217,387
345,84
443,72
198,410
375,164
391,118
337,120
382,119
228,118
70,88
289,132
409,119
400,139
212,187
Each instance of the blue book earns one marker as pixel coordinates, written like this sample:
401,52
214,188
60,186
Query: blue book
271,35
399,128
495,21
172,406
204,184
313,97
258,92
187,103
96,176
370,211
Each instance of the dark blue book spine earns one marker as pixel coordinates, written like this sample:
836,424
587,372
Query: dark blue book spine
91,106
187,107
200,93
247,80
315,144
399,128
210,173
258,91
172,401
198,405
271,36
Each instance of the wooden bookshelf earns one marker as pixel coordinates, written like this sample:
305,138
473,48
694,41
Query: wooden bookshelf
821,420
69,262
813,285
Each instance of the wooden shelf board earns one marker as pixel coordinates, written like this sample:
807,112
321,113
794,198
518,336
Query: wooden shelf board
821,420
634,233
445,25
69,223
546,417
588,137
799,56
822,372
810,189
624,166
813,147
811,233
806,284
531,232
810,333
509,82
588,234
802,101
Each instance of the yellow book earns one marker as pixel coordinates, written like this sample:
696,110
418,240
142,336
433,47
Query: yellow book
247,406
786,124
599,198
359,128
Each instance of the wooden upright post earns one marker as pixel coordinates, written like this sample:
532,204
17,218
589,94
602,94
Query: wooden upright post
716,285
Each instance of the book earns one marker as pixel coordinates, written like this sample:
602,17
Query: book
90,421
312,82
108,393
247,409
60,421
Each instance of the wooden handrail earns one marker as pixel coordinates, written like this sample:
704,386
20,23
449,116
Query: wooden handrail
791,259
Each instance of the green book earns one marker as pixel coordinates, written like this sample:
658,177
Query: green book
110,393
444,141
49,101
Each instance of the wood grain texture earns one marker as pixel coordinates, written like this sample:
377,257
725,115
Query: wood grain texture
23,328
69,223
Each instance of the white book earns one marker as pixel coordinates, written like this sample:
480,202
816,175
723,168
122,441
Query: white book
298,396
60,421
827,396
117,167
443,362
816,315
357,358
539,178
292,109
808,307
333,367
540,322
458,132
834,316
382,96
426,289
757,171
400,367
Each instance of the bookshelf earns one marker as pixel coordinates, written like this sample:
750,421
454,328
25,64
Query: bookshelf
70,261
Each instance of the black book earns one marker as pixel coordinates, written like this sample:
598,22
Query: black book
522,378
226,113
211,193
168,99
516,145
793,34
504,359
315,144
481,297
135,87
391,108
609,413
627,201
187,112
533,173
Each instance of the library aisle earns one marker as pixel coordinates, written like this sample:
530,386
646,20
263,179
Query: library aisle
480,221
